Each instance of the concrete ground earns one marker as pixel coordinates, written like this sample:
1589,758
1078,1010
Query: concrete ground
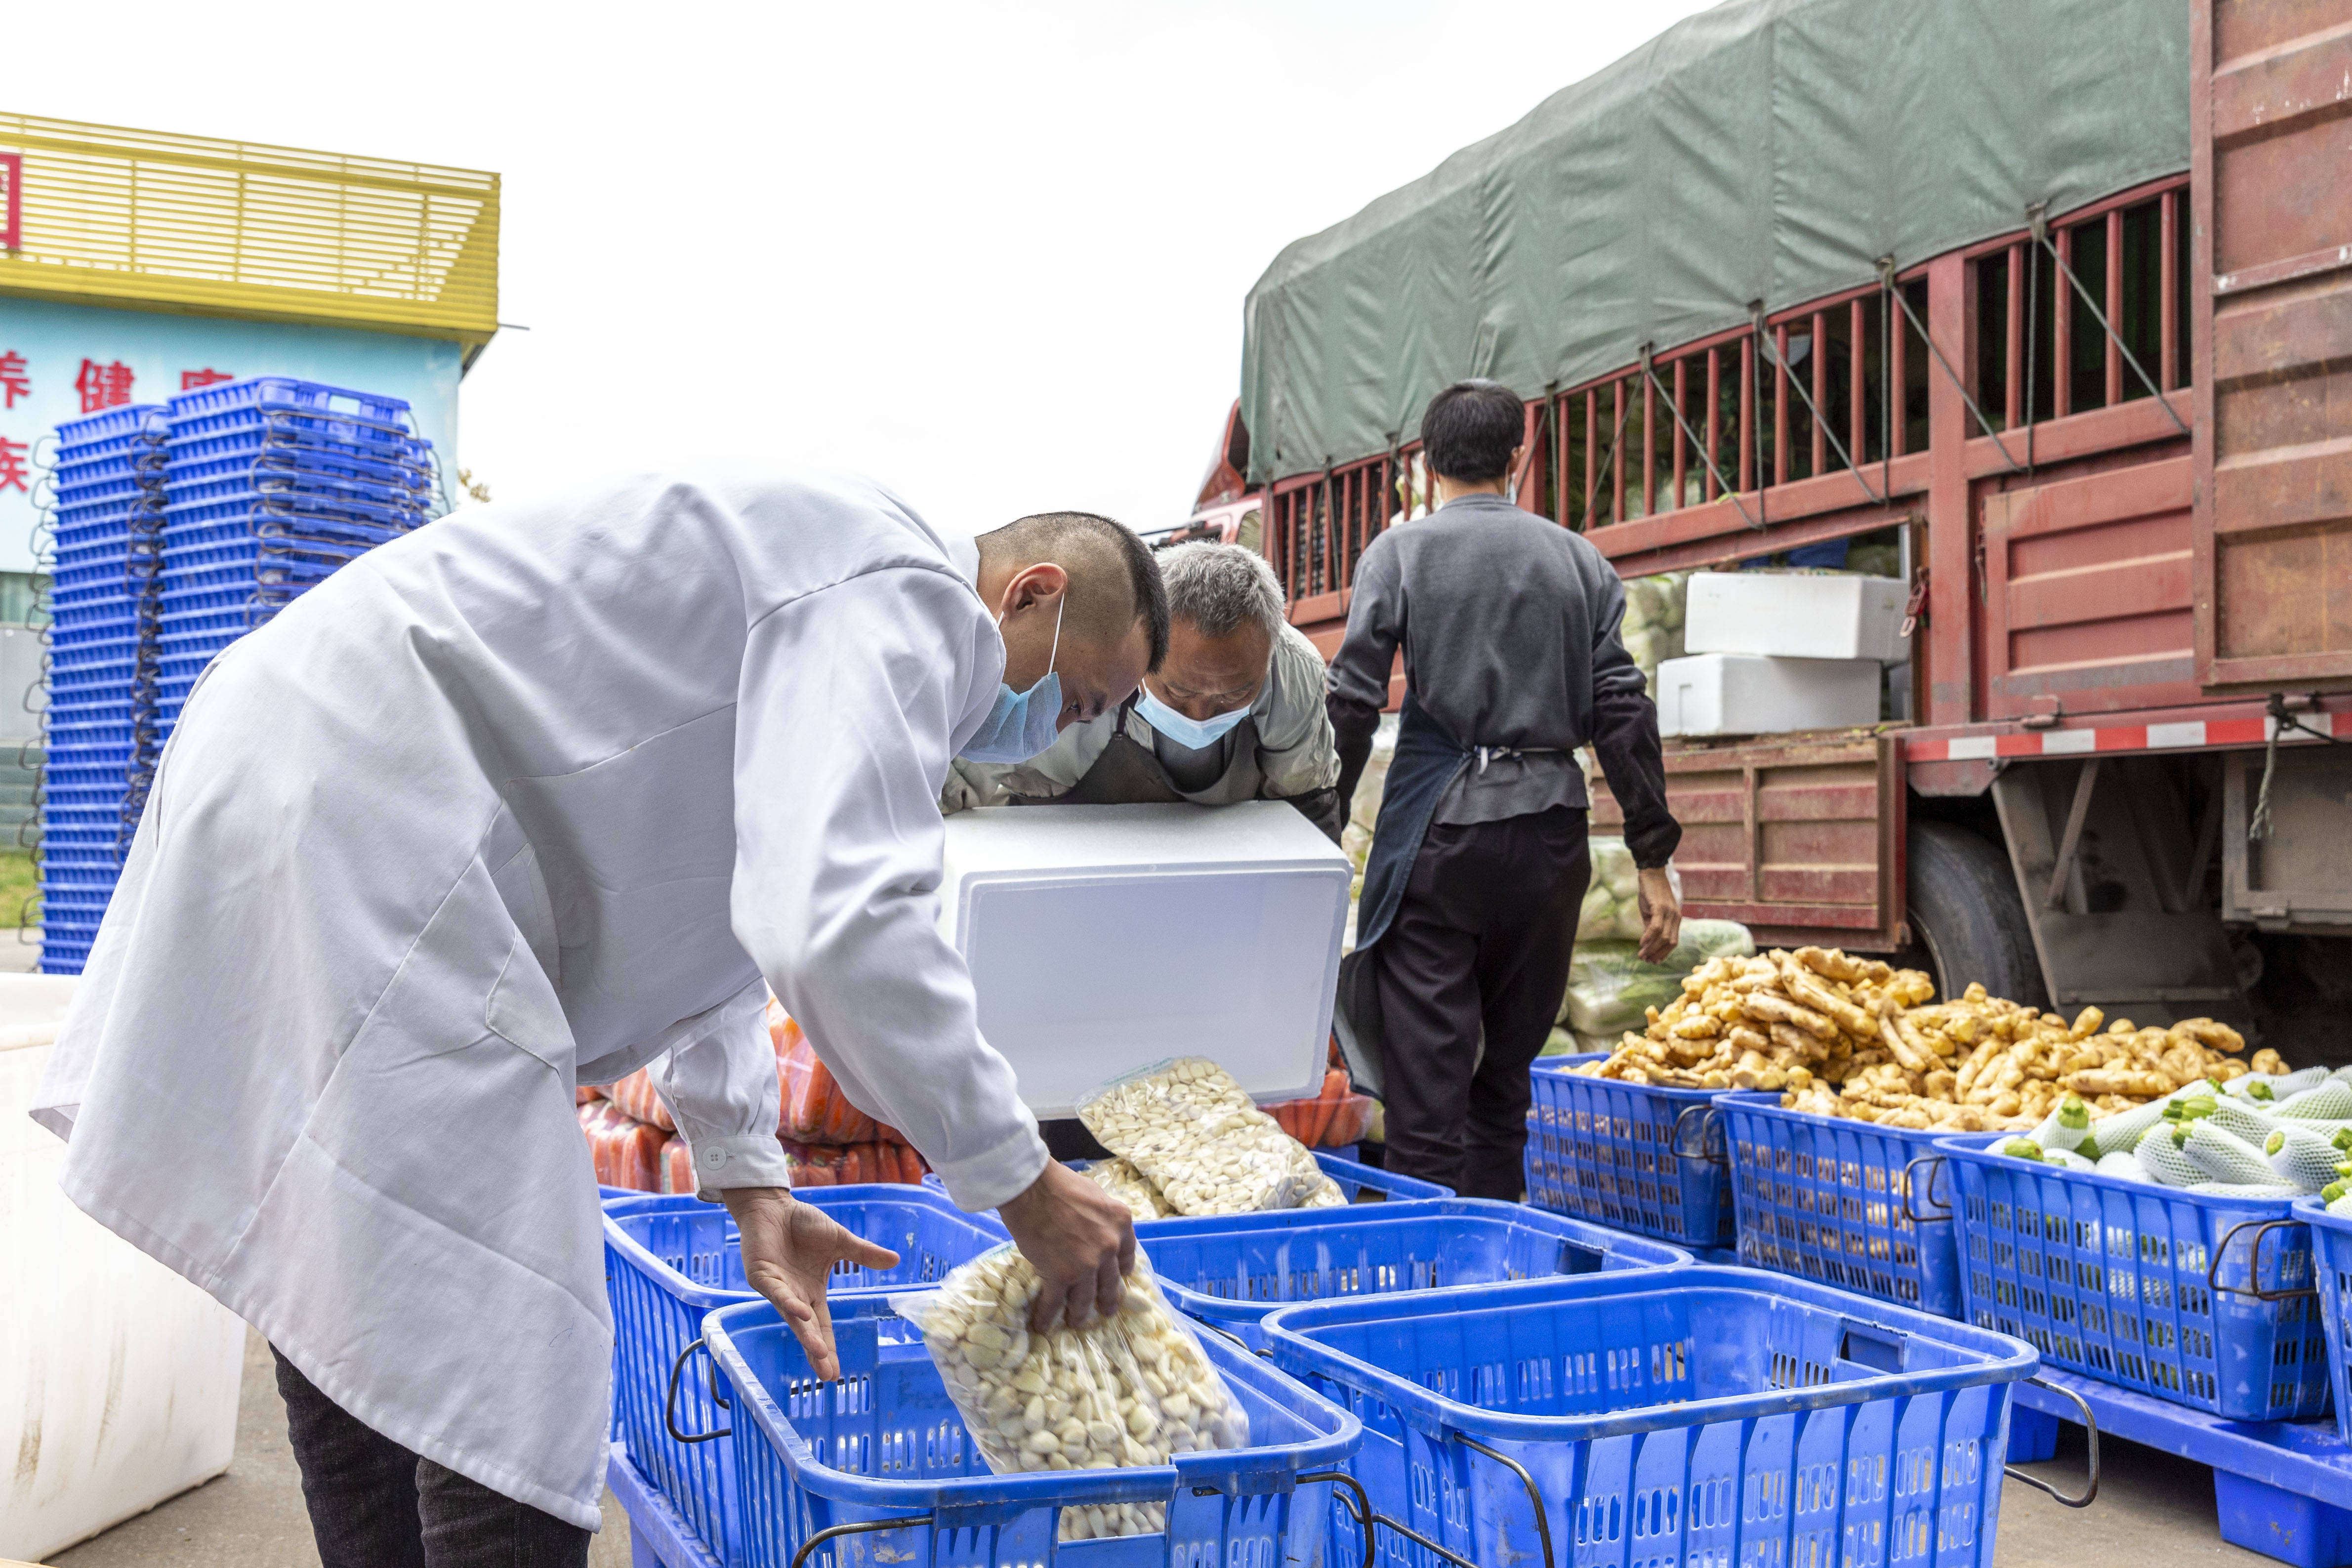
20,951
253,1516
2152,1507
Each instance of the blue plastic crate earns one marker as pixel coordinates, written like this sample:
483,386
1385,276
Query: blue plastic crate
888,1443
364,437
289,393
1231,1270
1357,1182
289,460
1668,1417
2331,1244
659,1537
1847,1202
263,485
306,448
1632,1156
243,512
671,1260
2203,1301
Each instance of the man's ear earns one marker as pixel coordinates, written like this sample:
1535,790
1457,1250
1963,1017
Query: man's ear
1035,584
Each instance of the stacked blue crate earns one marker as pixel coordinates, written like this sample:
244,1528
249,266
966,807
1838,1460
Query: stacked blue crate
93,656
272,484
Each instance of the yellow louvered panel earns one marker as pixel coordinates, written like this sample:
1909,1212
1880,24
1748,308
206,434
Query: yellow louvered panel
185,222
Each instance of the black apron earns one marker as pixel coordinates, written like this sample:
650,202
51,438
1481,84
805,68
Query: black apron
1426,760
1127,774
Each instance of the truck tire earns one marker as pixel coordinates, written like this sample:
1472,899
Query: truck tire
1965,914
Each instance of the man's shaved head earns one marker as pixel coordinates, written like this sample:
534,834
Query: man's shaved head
1113,582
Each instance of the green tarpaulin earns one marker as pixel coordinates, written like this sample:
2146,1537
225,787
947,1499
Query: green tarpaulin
1767,150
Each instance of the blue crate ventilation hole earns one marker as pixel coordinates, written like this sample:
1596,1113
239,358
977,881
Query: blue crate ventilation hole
1690,1415
886,1443
669,1260
1850,1204
1632,1156
2205,1301
1232,1271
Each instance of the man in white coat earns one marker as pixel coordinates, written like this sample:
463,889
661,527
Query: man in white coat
532,798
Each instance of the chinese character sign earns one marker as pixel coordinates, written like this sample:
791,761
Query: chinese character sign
13,473
14,382
192,379
103,386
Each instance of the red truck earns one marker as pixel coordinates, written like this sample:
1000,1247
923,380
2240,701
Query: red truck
2096,390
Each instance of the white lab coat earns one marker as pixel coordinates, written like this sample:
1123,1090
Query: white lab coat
527,798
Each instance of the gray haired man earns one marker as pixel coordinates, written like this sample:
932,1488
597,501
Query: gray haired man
1235,711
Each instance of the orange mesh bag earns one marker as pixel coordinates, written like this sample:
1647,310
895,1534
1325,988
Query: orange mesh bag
842,1165
813,1109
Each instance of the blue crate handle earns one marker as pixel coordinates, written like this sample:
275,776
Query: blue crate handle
1710,1130
1910,1186
1367,1516
669,1402
2091,1425
2253,1263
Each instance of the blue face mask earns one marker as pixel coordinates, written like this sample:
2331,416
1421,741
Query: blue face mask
1192,734
1022,723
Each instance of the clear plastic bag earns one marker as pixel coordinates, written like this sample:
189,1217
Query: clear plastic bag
640,1101
1208,1148
812,1107
1123,1392
625,1152
1129,1186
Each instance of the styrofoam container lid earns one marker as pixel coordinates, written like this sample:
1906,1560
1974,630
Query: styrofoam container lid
1103,939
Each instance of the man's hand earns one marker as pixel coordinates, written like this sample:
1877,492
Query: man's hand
789,1250
1662,916
1081,1241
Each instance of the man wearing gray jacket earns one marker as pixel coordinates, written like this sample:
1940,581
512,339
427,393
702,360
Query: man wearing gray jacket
1509,629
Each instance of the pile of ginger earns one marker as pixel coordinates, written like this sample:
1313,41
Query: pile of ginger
1842,1035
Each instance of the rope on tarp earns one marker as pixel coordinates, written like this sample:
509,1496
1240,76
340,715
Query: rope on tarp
2040,216
1649,369
1887,279
1765,346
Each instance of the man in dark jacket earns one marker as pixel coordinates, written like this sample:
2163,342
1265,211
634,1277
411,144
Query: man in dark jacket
1509,628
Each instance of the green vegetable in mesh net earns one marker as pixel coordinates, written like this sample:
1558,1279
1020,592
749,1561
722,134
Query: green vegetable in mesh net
2252,1191
2123,1166
2162,1159
2067,1126
2222,1155
2329,1101
2021,1149
2243,1121
2304,1160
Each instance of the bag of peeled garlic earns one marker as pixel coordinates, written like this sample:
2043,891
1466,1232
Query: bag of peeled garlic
1125,1391
1188,1129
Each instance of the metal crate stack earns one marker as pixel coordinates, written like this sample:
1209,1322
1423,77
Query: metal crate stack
106,493
272,485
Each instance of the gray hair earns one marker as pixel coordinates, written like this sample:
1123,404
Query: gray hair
1220,588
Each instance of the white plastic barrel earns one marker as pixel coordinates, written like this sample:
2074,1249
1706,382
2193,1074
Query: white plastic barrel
118,1378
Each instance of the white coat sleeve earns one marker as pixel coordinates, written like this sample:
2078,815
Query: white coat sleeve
852,701
718,1080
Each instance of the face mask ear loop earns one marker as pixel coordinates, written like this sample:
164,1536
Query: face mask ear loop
1055,651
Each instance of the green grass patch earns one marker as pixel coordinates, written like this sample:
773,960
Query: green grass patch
19,880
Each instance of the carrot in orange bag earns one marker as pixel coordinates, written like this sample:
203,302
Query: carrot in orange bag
636,1095
626,1152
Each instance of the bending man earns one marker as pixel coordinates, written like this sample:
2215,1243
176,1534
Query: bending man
528,798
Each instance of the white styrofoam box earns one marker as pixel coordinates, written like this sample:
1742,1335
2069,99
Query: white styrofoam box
118,1378
1795,615
1106,938
1749,694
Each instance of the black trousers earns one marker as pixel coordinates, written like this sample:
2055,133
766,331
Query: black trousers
1480,941
374,1504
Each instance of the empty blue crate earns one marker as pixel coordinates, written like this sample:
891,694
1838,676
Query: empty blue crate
667,1262
1629,1155
886,1443
1851,1204
1689,1415
2203,1301
1232,1270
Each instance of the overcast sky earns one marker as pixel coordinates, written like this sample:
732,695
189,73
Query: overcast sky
994,255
